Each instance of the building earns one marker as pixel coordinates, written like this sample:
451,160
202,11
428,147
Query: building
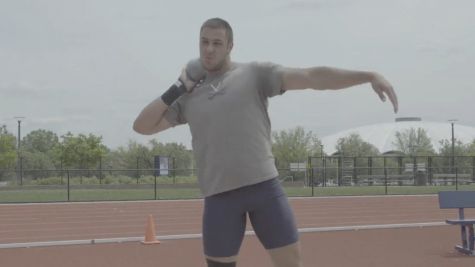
383,135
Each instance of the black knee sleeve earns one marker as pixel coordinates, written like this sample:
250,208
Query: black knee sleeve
220,264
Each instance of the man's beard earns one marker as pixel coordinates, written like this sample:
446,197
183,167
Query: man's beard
219,66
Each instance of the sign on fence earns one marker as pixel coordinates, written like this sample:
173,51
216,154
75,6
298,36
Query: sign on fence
161,165
421,167
298,166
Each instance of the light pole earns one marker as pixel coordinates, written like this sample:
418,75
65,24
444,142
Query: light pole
19,167
452,162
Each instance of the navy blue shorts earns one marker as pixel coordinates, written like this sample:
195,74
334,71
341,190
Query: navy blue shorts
224,218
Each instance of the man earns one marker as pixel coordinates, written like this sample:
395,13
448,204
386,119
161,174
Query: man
226,110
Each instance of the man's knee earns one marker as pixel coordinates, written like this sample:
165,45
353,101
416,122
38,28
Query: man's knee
287,256
213,263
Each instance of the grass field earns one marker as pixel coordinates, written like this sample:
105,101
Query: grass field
147,192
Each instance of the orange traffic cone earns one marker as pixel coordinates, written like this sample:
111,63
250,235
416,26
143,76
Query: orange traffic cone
150,236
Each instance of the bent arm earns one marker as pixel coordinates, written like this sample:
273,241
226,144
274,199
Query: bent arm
328,78
152,118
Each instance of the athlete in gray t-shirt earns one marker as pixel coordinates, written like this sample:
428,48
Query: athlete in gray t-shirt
226,110
230,127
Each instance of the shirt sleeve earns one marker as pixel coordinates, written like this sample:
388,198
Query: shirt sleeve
270,78
174,114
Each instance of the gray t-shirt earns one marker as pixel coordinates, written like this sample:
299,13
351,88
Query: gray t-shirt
230,126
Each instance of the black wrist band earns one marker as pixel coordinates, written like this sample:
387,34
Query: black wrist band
174,92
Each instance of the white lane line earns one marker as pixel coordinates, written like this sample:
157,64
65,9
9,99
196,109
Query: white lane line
196,236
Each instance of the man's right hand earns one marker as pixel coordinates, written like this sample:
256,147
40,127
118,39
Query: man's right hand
189,84
192,73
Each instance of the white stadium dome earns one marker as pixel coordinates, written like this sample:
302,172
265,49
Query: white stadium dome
383,135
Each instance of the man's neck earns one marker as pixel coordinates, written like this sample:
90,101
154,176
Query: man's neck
224,68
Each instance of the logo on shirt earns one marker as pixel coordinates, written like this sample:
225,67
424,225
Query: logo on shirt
216,90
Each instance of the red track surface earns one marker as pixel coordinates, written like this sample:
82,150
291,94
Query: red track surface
428,246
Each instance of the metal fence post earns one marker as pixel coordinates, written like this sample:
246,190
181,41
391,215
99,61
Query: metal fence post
385,177
100,170
67,172
61,172
414,169
313,182
307,170
174,170
456,179
473,169
340,169
155,186
324,171
429,168
21,170
174,175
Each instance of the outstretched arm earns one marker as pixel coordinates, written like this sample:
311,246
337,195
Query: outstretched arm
327,78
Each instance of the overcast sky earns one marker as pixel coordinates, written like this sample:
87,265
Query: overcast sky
90,66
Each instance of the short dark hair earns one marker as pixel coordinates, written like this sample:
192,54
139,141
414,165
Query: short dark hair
216,23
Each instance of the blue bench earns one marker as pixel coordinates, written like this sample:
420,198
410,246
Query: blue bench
461,200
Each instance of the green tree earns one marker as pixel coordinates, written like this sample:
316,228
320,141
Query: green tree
135,155
39,150
8,153
183,157
354,146
294,145
462,153
445,150
140,156
82,152
414,142
471,148
37,161
40,141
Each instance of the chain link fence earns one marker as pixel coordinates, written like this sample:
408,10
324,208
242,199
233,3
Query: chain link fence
320,176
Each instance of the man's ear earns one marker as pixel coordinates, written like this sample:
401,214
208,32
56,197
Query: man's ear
230,47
